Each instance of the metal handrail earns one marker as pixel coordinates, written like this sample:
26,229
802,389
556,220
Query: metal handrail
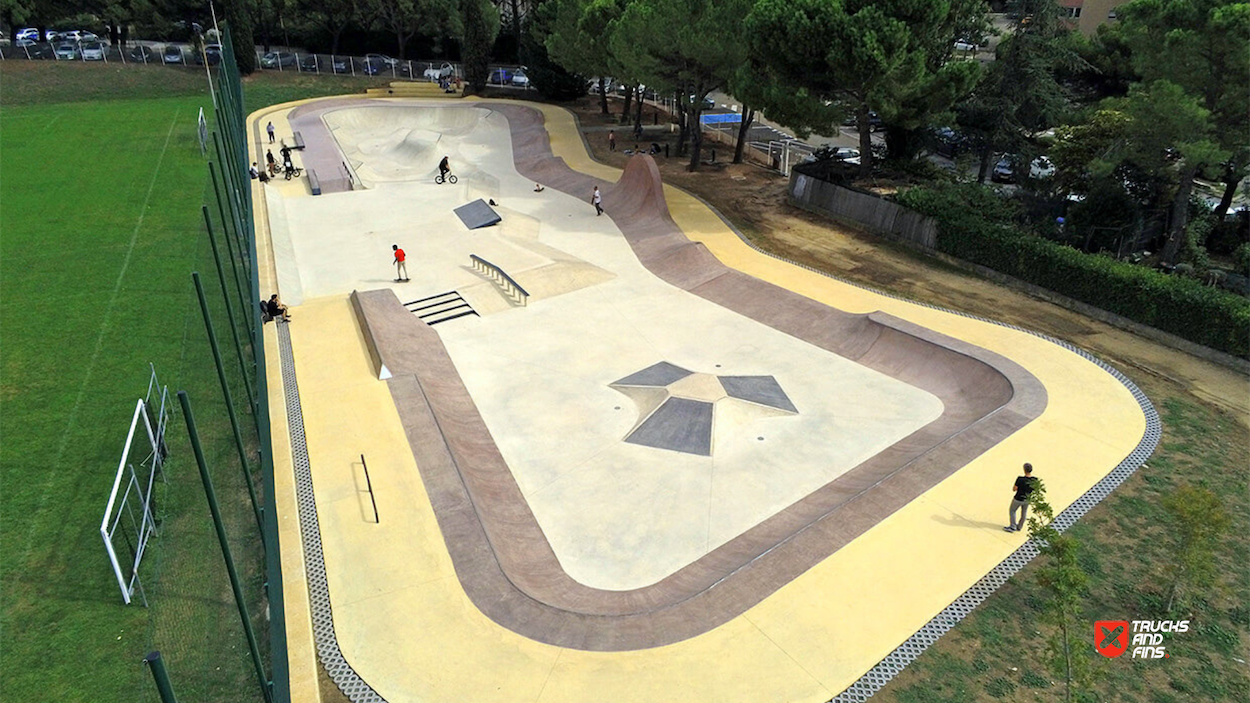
499,274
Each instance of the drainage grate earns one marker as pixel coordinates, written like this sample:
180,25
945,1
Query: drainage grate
346,678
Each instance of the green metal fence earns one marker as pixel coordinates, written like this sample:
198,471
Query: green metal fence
217,605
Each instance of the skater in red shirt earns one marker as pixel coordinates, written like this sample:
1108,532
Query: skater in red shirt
401,266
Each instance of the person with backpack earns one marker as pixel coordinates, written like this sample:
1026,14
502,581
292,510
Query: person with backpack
1023,488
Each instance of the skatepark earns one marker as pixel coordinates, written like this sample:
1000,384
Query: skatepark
625,456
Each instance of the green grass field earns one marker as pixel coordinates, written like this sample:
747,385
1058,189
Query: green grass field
97,250
100,213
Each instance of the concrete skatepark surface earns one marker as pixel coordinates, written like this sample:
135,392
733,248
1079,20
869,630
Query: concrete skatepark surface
558,528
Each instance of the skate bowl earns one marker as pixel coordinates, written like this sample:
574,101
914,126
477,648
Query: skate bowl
506,561
677,451
388,145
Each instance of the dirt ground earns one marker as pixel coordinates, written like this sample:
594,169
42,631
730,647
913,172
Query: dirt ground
754,199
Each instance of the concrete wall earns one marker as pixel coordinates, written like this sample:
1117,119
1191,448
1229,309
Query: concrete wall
864,210
1093,13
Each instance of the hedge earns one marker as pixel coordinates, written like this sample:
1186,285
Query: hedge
976,225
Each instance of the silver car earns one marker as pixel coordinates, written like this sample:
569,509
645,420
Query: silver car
66,51
93,51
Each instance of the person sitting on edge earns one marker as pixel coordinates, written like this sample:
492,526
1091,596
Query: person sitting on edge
253,172
275,308
443,168
538,188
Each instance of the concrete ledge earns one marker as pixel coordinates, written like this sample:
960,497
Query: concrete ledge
363,304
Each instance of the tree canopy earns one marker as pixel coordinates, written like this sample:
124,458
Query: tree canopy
690,47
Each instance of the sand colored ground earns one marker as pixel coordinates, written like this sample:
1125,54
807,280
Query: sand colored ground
805,642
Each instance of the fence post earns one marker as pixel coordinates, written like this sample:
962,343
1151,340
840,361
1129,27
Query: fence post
265,683
236,207
234,332
225,391
249,307
157,666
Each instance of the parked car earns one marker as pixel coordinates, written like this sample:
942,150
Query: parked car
444,71
967,45
92,51
212,54
519,79
309,63
500,76
708,103
383,59
341,64
51,34
30,33
947,142
26,43
844,154
172,54
1042,167
1005,171
373,67
66,51
874,121
142,54
278,59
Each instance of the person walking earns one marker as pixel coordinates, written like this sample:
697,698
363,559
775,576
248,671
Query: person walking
401,263
269,129
1023,488
611,140
596,199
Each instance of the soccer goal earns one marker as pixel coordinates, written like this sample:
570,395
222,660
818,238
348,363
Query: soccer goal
130,517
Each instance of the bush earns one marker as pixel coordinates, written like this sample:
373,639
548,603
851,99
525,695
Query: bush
976,225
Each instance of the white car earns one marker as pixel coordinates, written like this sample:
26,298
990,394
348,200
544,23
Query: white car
966,45
519,79
92,51
29,34
443,71
1042,167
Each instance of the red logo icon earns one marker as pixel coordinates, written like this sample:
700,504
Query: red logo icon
1111,637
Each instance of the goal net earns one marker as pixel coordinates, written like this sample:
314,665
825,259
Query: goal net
130,517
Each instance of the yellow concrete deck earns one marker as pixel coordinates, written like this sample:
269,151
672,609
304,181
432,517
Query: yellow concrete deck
806,642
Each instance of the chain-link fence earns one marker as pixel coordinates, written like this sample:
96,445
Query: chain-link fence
184,55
